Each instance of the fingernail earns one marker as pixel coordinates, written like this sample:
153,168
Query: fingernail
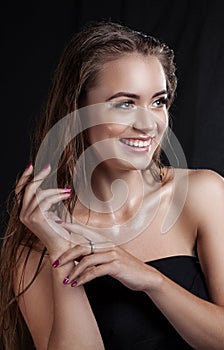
66,280
56,263
47,166
28,165
59,221
67,189
74,284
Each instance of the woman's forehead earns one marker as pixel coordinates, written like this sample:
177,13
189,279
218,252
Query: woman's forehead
135,74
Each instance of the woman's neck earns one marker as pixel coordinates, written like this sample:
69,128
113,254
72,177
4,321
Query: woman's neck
115,195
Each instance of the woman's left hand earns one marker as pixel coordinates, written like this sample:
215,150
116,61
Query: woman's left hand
107,259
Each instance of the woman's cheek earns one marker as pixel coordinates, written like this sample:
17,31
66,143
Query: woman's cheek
102,132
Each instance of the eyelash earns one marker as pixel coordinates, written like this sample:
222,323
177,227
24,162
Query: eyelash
162,100
122,103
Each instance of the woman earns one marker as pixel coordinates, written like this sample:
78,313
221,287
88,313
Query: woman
144,289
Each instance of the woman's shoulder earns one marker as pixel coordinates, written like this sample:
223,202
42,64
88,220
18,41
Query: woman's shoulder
204,175
200,184
205,180
195,185
198,177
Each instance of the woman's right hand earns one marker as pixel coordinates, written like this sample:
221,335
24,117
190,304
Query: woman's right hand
36,211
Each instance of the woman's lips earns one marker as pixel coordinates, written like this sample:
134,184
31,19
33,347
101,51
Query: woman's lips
137,144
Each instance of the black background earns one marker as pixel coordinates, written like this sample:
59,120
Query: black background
33,35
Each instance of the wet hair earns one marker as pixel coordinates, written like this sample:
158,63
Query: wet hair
78,69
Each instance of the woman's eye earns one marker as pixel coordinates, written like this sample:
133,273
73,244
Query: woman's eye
160,102
125,105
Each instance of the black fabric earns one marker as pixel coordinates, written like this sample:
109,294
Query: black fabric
128,320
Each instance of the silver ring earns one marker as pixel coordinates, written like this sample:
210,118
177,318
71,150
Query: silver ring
92,246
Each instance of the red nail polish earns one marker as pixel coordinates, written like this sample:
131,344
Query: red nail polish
47,166
67,189
74,284
66,280
56,263
28,165
59,221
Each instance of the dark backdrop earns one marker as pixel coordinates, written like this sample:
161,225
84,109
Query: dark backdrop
34,34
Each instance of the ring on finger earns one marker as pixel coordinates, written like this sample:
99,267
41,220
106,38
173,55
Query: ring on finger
92,247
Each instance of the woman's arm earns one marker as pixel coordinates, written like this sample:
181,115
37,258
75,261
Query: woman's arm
199,322
58,317
74,326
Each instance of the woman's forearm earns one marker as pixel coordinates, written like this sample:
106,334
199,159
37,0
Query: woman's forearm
198,321
74,325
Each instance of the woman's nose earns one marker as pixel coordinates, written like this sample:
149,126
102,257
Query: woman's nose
145,121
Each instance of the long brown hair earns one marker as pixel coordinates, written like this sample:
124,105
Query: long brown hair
77,71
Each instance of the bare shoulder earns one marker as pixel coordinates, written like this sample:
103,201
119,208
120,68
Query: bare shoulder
198,191
205,184
206,202
199,182
204,199
205,175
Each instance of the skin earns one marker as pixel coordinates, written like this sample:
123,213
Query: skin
56,323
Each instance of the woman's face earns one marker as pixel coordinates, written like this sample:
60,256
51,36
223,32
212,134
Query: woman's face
134,89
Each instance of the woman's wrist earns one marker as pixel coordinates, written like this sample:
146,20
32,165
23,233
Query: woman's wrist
154,282
55,252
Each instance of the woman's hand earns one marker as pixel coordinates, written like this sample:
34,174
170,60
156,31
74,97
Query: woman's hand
92,260
36,211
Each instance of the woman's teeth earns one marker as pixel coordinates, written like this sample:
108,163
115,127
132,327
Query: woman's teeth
136,143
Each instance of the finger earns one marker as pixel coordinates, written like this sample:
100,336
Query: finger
89,261
89,235
33,185
45,198
24,178
67,279
42,194
47,202
77,252
53,217
73,254
40,177
91,273
35,211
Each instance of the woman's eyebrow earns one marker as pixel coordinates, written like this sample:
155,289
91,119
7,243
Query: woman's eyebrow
130,95
163,92
124,94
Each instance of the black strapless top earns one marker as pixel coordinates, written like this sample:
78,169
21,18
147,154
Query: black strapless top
128,320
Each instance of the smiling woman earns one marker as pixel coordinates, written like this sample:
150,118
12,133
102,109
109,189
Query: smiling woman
129,82
85,261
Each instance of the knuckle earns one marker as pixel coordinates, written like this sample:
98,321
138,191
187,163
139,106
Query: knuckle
92,272
84,260
95,271
115,264
113,254
78,247
39,194
34,218
28,186
22,218
101,269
